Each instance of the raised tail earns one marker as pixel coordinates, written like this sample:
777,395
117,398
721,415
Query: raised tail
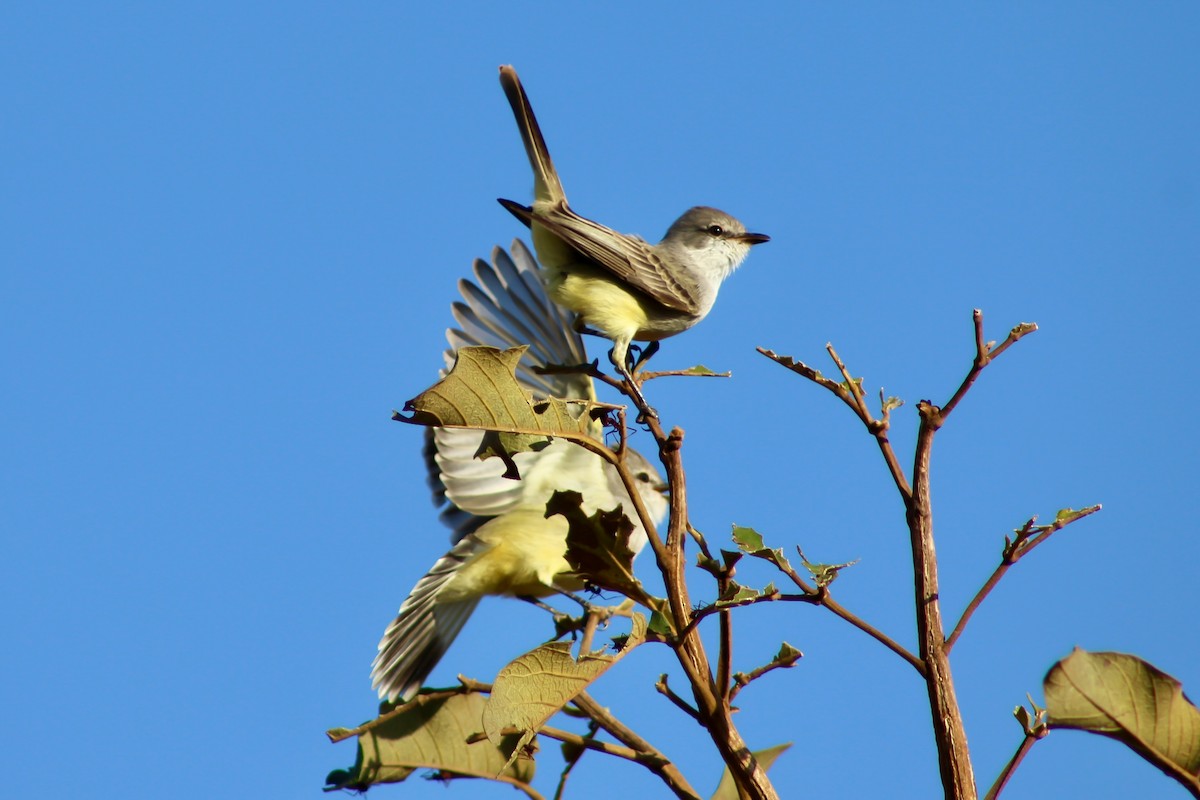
546,186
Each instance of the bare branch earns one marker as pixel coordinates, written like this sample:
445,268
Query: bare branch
723,606
821,596
711,709
647,754
985,352
1027,537
1035,728
850,392
692,372
785,659
679,702
573,757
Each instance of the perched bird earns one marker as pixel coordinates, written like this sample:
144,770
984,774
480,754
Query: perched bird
503,542
621,286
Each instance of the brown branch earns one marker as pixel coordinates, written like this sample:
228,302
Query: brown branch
1026,745
1035,728
850,392
1027,537
682,373
877,427
744,679
700,541
949,733
985,352
703,612
954,758
822,597
712,708
572,757
654,761
590,369
725,655
678,701
648,755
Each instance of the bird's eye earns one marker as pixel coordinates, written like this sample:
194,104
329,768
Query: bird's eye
644,477
715,230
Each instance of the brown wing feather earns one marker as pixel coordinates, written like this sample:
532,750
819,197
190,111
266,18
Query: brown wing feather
626,257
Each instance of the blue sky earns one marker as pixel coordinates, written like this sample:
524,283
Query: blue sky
231,238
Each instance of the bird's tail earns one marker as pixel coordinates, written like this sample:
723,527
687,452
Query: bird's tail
424,628
546,186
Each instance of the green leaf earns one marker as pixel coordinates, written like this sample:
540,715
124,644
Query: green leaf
1128,699
735,593
727,789
787,655
430,736
660,624
825,574
750,542
699,369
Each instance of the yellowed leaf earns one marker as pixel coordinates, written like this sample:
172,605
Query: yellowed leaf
1130,700
535,686
432,736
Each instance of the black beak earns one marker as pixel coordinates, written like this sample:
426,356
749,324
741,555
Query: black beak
753,238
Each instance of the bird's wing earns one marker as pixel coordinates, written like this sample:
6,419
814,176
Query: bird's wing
630,259
506,306
424,628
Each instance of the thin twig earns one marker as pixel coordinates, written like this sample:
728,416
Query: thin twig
573,758
822,597
725,655
1027,537
877,428
850,392
590,369
703,612
985,352
679,702
1026,744
743,679
654,761
1035,728
649,755
682,373
700,541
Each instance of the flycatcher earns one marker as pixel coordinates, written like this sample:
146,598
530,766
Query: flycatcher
503,542
622,286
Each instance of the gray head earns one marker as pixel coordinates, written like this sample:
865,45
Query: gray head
711,237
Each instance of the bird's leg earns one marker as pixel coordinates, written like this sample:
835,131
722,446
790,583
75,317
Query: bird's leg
565,623
620,362
559,616
644,355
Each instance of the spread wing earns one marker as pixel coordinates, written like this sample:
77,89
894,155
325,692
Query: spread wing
628,258
505,306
